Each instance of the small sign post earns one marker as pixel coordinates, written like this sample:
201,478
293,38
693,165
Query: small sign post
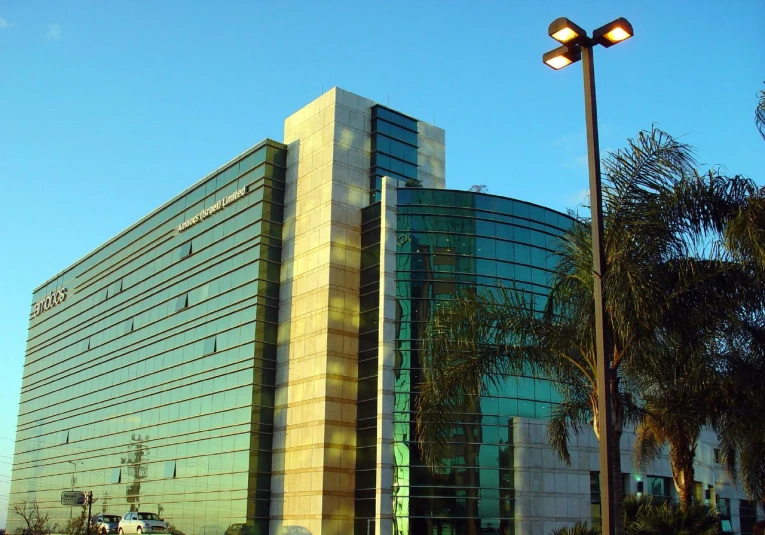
73,498
90,504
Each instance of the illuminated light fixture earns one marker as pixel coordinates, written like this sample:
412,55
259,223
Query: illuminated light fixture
614,32
566,32
562,56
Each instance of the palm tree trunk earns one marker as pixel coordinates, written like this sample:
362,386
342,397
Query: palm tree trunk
683,474
616,492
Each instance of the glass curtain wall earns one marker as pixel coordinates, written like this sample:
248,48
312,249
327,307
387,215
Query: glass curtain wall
366,422
394,148
151,384
448,241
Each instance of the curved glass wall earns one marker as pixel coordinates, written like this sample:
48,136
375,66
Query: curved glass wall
447,241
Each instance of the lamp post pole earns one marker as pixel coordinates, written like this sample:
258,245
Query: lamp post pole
605,424
74,467
578,45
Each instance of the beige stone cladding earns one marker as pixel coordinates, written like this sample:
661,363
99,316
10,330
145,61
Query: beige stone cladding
386,372
315,406
431,155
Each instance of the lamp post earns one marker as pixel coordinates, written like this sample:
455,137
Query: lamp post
74,467
577,45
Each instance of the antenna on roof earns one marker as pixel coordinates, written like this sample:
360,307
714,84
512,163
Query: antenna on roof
322,90
389,101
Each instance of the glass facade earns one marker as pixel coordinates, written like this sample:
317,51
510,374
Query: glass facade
369,332
394,148
448,241
150,383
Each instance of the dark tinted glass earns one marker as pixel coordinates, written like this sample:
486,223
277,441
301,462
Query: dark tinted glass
450,241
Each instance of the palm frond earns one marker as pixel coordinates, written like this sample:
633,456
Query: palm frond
759,114
571,414
698,519
579,528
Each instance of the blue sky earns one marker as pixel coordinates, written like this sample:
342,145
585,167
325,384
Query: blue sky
108,109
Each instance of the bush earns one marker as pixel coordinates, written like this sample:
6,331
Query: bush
643,516
580,528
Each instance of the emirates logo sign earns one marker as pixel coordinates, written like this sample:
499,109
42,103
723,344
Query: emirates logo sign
48,302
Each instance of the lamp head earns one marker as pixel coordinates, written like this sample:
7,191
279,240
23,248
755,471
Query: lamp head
562,56
614,32
566,32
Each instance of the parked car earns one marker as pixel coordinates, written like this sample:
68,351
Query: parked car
104,524
140,522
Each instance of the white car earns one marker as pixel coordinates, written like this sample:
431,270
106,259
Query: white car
140,522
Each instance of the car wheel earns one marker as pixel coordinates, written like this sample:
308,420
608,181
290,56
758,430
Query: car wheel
122,532
139,530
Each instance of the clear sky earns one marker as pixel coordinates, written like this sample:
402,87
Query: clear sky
109,109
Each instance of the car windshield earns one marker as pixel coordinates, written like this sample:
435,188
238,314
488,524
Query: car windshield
108,518
147,516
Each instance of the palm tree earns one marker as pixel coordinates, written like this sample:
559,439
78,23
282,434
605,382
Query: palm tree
653,519
759,114
677,393
643,516
685,376
742,440
579,528
657,214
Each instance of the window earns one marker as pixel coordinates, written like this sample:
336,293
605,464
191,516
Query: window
127,327
116,476
723,505
169,469
698,492
594,487
185,249
595,494
113,289
65,437
182,302
718,457
211,345
747,511
100,296
660,487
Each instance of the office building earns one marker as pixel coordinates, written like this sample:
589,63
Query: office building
244,359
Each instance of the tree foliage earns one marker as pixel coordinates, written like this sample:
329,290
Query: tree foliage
579,528
36,522
759,114
644,516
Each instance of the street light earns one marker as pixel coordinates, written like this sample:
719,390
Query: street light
577,45
74,467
